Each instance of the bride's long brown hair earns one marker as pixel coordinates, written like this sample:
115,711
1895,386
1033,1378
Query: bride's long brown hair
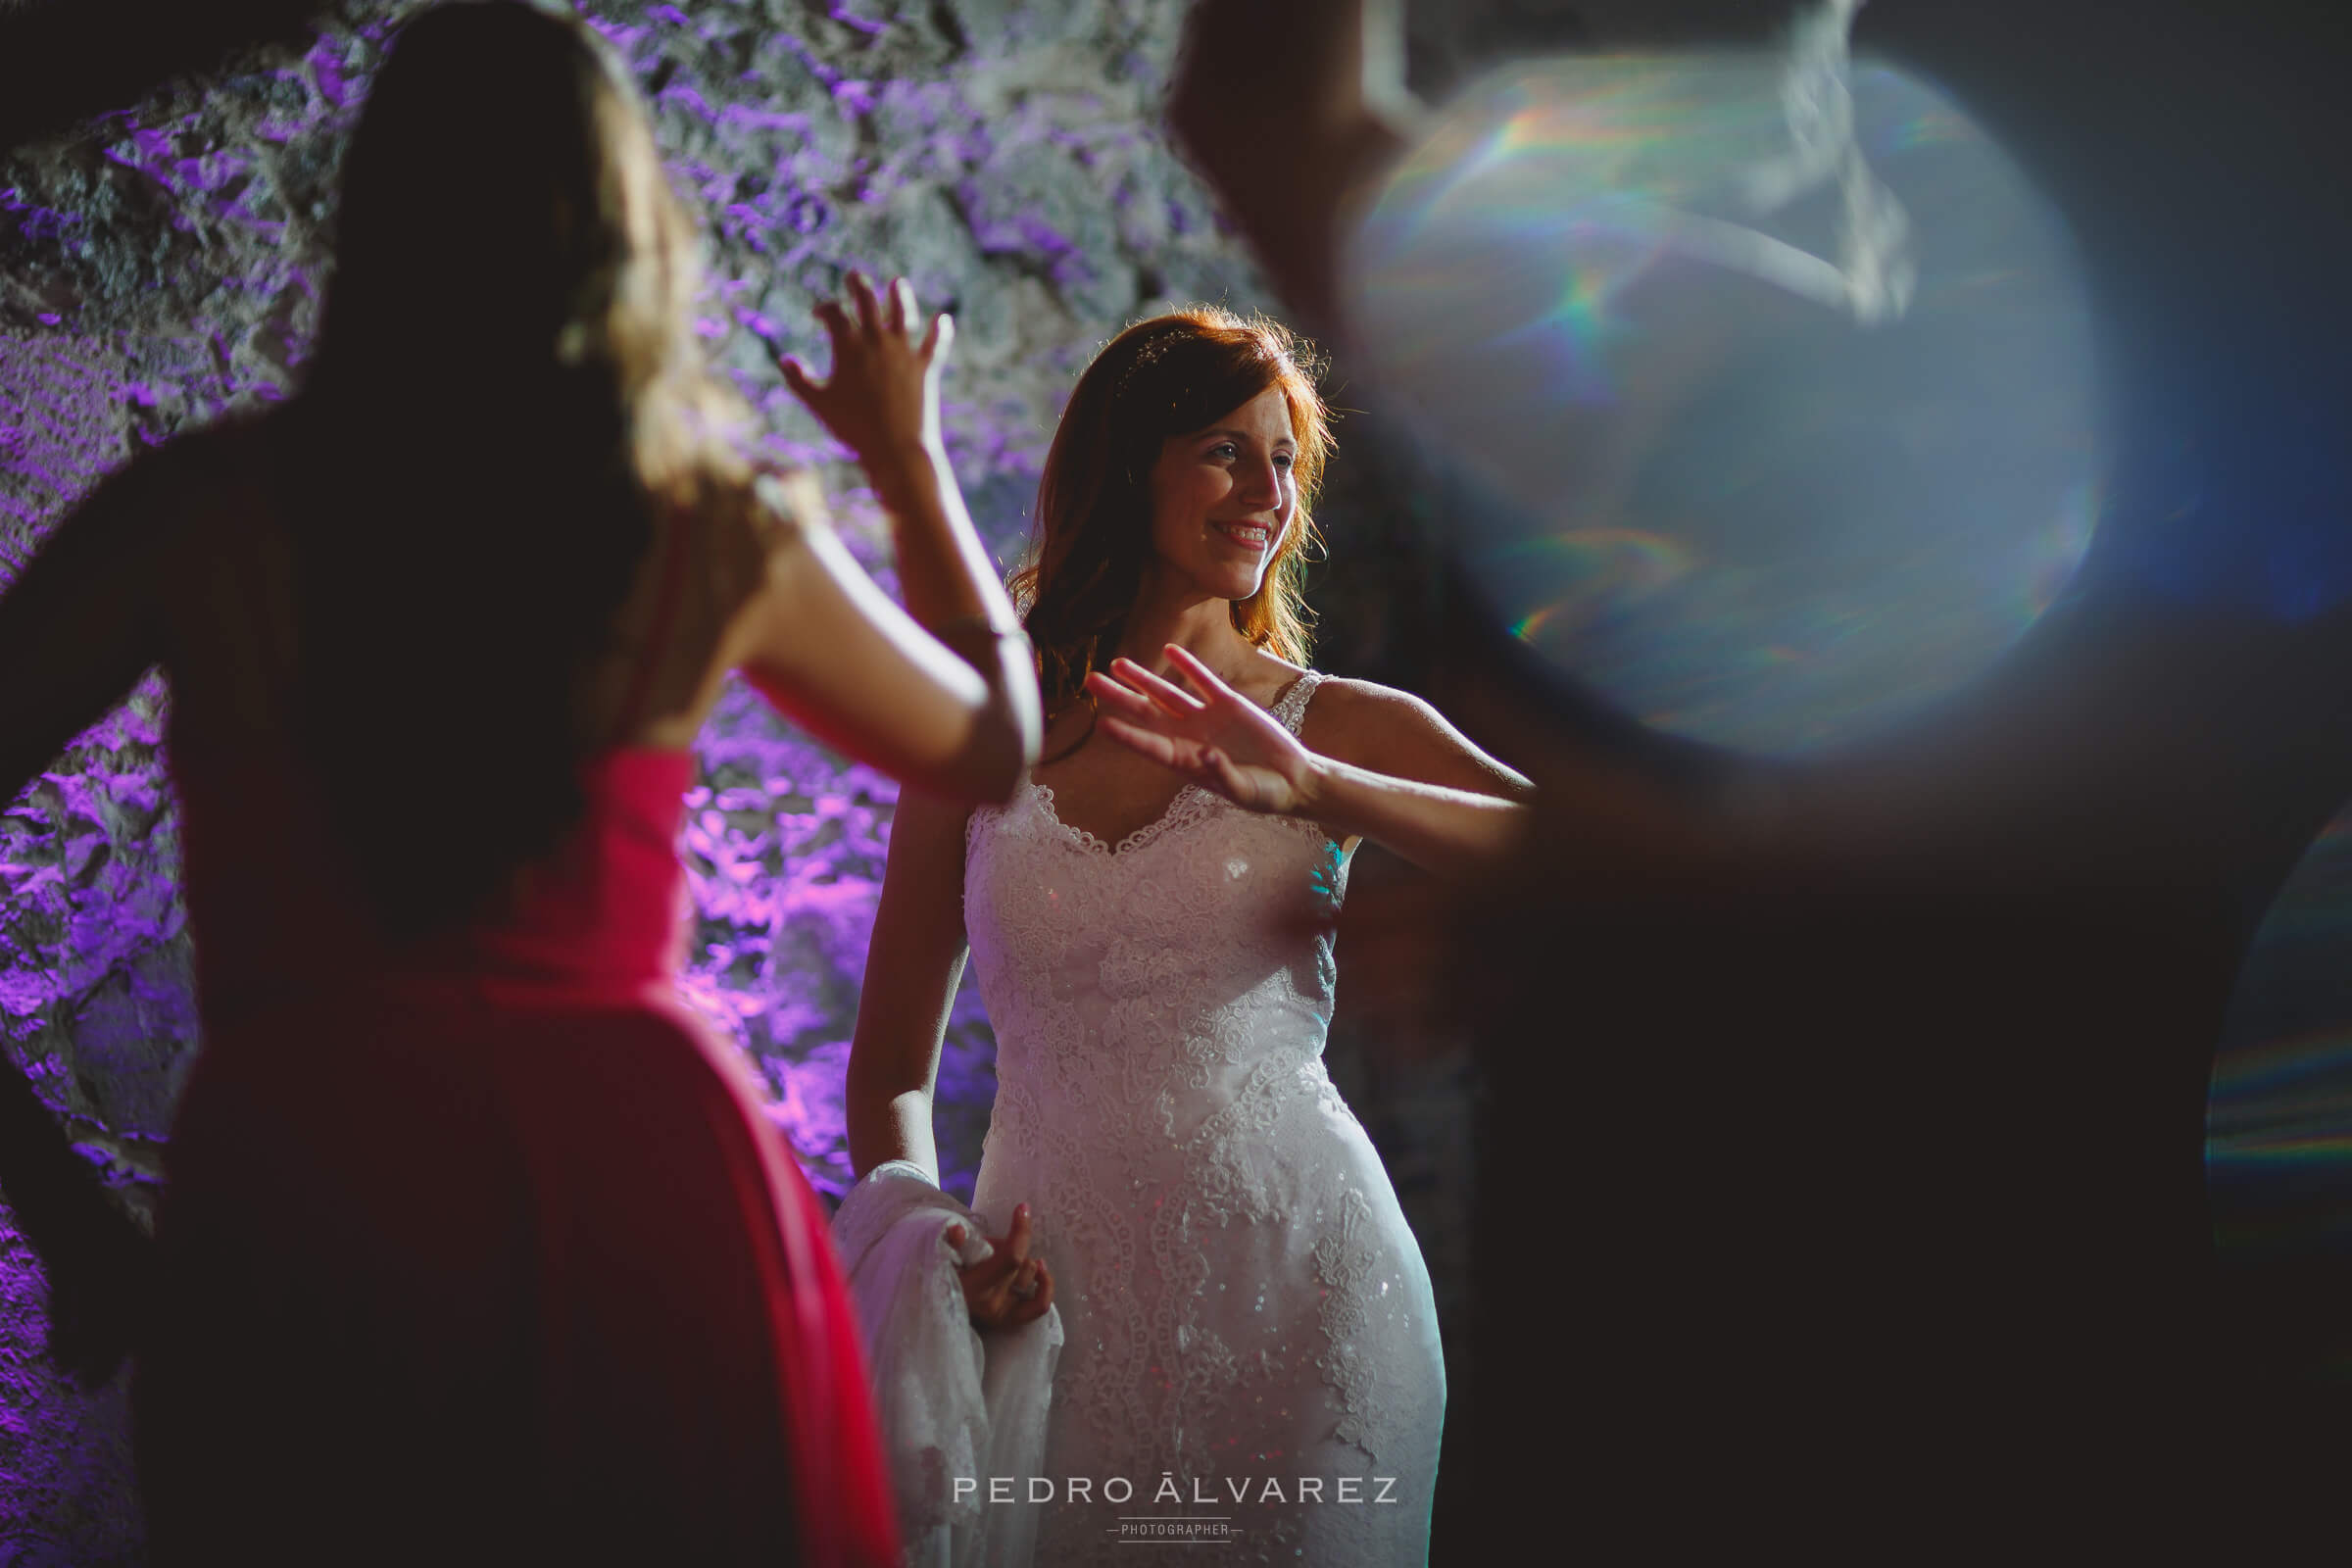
1167,376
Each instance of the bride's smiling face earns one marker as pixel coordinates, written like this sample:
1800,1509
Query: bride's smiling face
1222,497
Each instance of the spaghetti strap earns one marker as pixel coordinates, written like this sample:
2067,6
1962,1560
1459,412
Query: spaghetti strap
1290,707
666,614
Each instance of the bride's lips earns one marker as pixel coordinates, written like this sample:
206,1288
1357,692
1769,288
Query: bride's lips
1257,535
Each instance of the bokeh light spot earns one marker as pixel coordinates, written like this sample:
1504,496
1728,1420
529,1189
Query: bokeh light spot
1749,498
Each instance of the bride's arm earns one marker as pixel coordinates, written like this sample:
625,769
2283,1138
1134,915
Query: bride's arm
1441,828
912,969
1386,766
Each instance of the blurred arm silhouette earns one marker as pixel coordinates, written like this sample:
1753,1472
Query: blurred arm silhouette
62,61
1882,1100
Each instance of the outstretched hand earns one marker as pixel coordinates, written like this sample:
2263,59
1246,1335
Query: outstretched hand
1008,1288
881,400
1213,734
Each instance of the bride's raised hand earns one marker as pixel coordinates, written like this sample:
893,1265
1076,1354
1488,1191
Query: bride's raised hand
1212,734
881,400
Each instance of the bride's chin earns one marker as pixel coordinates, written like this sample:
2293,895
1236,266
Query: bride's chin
1239,581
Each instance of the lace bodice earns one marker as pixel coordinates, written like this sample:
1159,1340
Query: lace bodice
1138,988
1225,1241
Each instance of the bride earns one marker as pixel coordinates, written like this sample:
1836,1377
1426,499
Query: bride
1250,1338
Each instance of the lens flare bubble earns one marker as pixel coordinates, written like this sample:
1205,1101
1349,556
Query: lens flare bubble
1789,392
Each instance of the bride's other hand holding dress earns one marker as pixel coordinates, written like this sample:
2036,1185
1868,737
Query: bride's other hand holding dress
1008,1288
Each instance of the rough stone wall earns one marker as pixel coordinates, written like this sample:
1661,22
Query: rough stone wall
95,979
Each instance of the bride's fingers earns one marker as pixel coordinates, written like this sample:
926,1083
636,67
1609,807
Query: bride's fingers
900,303
1208,693
990,1271
1171,698
1017,1288
1124,699
1114,700
1231,781
1184,681
1039,1304
1144,742
1198,676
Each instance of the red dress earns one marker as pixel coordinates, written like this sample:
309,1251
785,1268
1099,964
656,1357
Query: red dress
486,1251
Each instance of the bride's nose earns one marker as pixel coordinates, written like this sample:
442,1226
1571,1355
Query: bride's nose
1261,483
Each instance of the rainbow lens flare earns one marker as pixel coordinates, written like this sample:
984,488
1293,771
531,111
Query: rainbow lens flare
2278,1123
1784,455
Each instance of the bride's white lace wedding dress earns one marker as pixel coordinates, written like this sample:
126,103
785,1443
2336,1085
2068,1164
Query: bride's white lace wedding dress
1251,1342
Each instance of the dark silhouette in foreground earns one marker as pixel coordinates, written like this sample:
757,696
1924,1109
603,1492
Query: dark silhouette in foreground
1842,1177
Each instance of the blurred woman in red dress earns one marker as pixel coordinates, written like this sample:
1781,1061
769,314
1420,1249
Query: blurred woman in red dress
475,1245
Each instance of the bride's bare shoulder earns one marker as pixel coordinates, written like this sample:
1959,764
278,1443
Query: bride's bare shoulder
1343,707
1391,731
1344,703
